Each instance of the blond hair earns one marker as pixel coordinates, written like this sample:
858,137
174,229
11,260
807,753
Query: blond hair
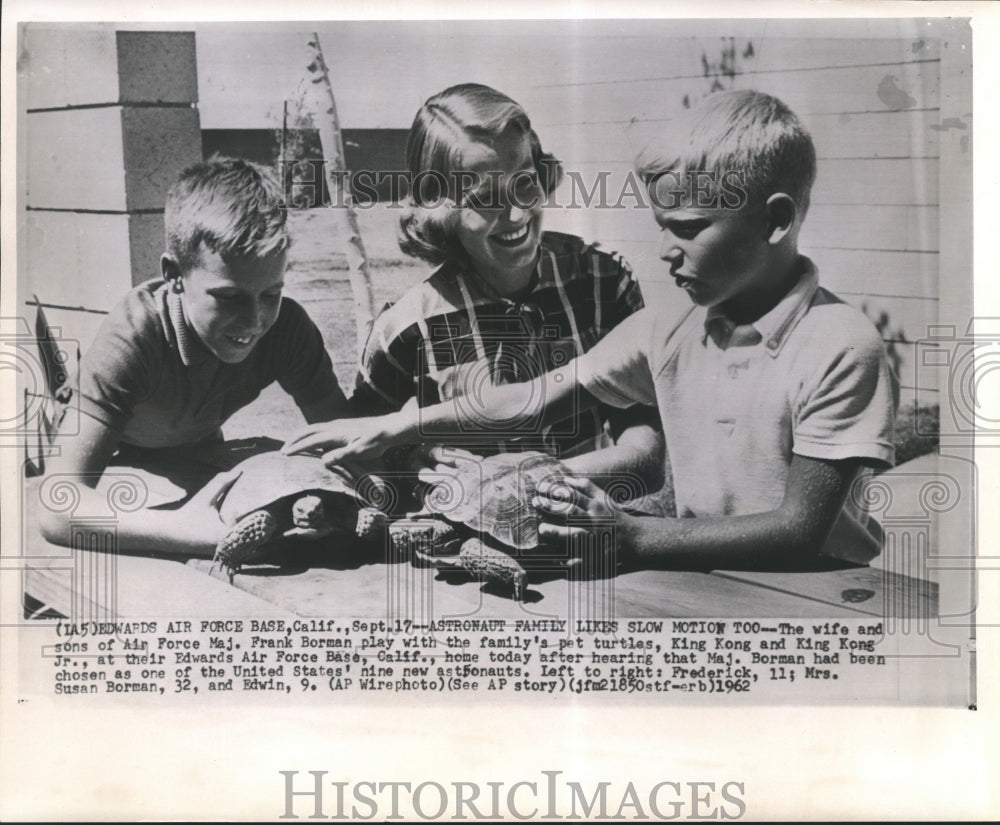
233,207
748,135
441,128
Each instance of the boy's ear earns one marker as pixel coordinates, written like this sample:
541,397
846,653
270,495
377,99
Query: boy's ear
781,215
171,271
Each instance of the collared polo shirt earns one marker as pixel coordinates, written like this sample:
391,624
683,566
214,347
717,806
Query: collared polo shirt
149,378
736,402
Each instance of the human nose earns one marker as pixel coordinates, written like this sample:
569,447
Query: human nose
669,250
516,212
522,199
253,314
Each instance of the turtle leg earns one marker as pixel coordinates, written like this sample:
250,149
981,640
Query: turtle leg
425,539
493,566
371,523
239,544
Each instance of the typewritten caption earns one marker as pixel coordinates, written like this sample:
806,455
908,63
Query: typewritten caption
485,656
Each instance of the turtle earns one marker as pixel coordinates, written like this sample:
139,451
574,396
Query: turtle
481,518
282,496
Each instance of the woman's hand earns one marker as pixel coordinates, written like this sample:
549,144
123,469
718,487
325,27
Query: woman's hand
354,441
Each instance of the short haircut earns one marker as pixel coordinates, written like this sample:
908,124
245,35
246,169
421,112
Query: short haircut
234,207
746,133
434,145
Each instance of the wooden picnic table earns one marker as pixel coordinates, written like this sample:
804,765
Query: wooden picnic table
320,581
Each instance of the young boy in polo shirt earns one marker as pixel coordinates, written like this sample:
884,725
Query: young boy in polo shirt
774,395
180,354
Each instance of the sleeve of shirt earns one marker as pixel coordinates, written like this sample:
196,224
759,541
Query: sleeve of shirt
617,370
849,410
385,380
304,368
117,369
628,296
620,298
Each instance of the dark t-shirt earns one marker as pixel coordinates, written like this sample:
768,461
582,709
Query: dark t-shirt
149,378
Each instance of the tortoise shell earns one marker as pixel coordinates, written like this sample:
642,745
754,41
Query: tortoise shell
494,495
268,478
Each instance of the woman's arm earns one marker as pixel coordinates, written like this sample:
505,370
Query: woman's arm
496,410
637,458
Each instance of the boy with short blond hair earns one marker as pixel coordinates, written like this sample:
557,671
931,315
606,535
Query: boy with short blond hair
181,353
775,396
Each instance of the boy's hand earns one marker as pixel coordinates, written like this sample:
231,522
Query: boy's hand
576,506
198,522
435,461
355,441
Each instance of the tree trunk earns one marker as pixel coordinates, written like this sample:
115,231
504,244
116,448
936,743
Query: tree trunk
335,172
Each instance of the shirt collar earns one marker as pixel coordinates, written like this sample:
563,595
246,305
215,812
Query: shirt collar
547,274
191,352
772,328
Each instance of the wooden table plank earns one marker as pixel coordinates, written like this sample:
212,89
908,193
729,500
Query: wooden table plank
401,589
677,594
863,590
137,587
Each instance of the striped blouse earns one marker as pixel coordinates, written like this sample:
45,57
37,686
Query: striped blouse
451,334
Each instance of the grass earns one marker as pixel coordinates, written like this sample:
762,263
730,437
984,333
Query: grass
917,430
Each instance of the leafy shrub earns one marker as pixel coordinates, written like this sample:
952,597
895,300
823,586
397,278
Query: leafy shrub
917,431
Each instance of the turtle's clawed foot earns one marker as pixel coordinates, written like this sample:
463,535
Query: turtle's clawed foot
217,564
494,567
240,543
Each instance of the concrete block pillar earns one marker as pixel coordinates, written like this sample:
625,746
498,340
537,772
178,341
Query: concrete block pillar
109,120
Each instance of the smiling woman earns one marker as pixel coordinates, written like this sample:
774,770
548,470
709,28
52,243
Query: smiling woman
500,225
508,301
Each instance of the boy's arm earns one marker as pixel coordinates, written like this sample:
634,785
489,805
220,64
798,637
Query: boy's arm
637,452
330,406
551,397
194,529
814,494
